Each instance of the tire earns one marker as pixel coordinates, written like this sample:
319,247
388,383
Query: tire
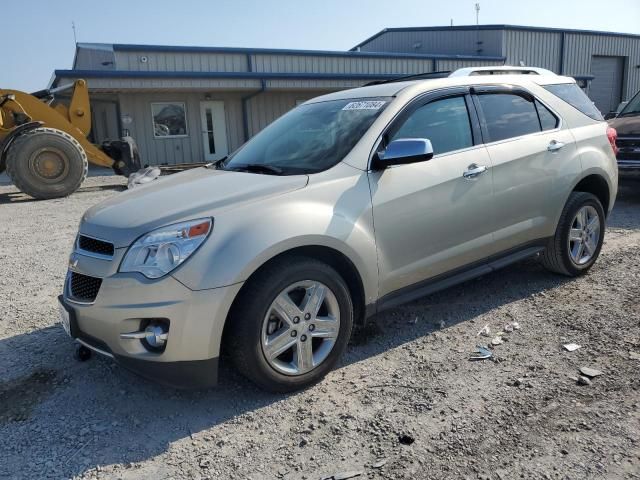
250,325
47,163
557,256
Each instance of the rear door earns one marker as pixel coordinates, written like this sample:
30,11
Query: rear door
430,219
533,156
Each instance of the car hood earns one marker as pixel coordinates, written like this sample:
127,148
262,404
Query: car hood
626,125
196,193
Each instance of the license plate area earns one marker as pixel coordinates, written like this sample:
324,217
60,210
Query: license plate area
67,318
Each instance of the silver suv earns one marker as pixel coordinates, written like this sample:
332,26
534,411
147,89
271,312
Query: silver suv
352,203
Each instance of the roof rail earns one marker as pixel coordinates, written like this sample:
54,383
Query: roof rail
417,76
503,70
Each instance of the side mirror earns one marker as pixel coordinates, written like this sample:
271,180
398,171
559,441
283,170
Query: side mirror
405,150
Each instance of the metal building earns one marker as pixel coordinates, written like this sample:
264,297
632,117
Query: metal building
195,104
610,62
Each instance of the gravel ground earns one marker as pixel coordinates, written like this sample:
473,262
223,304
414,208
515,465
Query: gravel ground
404,403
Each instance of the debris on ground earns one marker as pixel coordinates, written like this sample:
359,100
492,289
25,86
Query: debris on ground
571,347
497,340
380,463
406,439
344,475
482,353
590,372
485,331
582,380
634,355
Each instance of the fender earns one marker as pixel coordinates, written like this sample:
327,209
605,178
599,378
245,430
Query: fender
8,140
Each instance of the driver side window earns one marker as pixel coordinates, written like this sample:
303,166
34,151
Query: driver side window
445,122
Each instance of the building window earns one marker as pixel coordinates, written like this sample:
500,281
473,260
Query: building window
169,119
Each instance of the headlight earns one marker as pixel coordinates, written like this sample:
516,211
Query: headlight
160,251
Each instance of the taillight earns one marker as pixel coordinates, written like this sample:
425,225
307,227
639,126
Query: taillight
612,135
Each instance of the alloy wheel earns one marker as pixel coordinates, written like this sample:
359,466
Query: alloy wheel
300,328
584,235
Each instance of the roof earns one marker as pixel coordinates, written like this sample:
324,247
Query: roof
122,47
493,27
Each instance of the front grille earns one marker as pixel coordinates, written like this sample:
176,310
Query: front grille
83,287
94,245
628,149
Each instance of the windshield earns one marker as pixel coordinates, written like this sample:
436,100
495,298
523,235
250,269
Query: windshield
310,138
631,108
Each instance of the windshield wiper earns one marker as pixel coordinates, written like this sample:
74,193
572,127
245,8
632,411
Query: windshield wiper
628,114
258,168
216,165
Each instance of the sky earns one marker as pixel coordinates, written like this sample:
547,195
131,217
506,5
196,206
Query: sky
39,38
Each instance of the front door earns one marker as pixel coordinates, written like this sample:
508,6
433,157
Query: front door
429,217
214,130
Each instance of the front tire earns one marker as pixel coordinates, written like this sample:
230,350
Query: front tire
290,324
575,247
47,163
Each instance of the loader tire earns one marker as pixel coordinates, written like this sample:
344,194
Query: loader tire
47,163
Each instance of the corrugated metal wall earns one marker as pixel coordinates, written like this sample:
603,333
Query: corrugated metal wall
328,64
455,42
579,49
154,151
180,62
534,48
451,65
268,106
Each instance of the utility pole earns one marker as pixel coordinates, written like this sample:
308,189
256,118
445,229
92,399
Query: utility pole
477,14
73,27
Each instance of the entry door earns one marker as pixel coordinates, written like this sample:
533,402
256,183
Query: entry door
429,218
214,130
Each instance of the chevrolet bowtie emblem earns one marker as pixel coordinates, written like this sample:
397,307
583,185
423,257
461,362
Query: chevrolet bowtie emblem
73,261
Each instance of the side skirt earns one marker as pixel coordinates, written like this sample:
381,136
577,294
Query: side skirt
449,279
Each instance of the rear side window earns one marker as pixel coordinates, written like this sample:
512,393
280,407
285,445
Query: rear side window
444,122
548,121
508,115
574,96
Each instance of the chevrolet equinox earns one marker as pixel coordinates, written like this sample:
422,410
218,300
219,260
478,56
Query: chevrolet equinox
351,203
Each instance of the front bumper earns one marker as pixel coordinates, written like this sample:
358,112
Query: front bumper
124,301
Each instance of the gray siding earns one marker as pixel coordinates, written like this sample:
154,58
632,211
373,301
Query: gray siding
451,65
154,151
268,106
328,64
180,62
453,42
94,57
579,50
535,49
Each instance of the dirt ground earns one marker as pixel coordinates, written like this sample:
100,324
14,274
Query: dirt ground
405,402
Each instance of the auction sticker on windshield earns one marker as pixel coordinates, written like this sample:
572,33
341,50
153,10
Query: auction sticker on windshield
368,105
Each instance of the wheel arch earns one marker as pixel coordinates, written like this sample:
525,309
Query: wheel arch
596,184
332,257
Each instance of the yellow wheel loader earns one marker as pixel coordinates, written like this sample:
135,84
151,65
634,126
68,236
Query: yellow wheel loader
44,146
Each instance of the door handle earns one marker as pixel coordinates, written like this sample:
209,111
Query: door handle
474,170
554,146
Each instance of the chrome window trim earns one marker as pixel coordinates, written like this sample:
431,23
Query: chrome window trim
438,93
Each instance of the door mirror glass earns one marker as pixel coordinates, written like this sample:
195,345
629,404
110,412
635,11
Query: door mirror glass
406,150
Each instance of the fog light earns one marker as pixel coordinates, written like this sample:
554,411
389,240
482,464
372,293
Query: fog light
156,335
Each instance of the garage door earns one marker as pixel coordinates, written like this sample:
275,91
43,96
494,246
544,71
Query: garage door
606,87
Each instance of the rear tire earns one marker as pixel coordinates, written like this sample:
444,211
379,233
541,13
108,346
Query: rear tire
575,247
255,325
47,163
